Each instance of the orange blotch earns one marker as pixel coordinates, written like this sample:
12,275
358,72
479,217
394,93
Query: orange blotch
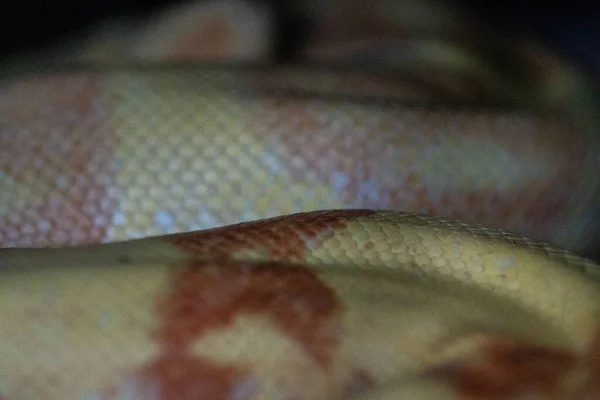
207,296
282,238
509,368
179,376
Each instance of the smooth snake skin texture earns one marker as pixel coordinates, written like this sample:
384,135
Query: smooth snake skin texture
345,304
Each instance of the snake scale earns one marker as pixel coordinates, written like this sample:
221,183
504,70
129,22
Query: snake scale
408,230
214,234
318,305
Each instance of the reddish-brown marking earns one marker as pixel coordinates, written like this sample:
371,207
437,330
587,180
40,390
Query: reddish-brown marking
508,368
281,238
208,296
182,377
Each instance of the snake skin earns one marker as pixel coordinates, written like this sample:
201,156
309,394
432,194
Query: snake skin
101,155
346,304
326,305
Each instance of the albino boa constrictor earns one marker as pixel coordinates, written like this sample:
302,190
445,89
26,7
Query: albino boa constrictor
342,304
347,304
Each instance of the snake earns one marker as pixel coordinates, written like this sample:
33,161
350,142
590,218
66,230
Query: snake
192,232
204,233
336,304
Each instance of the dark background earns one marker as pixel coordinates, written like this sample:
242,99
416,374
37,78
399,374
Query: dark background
572,27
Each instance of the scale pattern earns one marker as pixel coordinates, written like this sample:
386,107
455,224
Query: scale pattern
324,305
106,155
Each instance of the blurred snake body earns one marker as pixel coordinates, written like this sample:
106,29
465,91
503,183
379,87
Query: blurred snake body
264,295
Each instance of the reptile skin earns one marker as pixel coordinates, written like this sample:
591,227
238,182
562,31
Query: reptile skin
323,305
98,155
327,305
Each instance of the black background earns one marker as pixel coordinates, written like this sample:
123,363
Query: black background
572,27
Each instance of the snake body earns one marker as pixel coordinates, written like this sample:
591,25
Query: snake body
104,154
320,305
103,167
